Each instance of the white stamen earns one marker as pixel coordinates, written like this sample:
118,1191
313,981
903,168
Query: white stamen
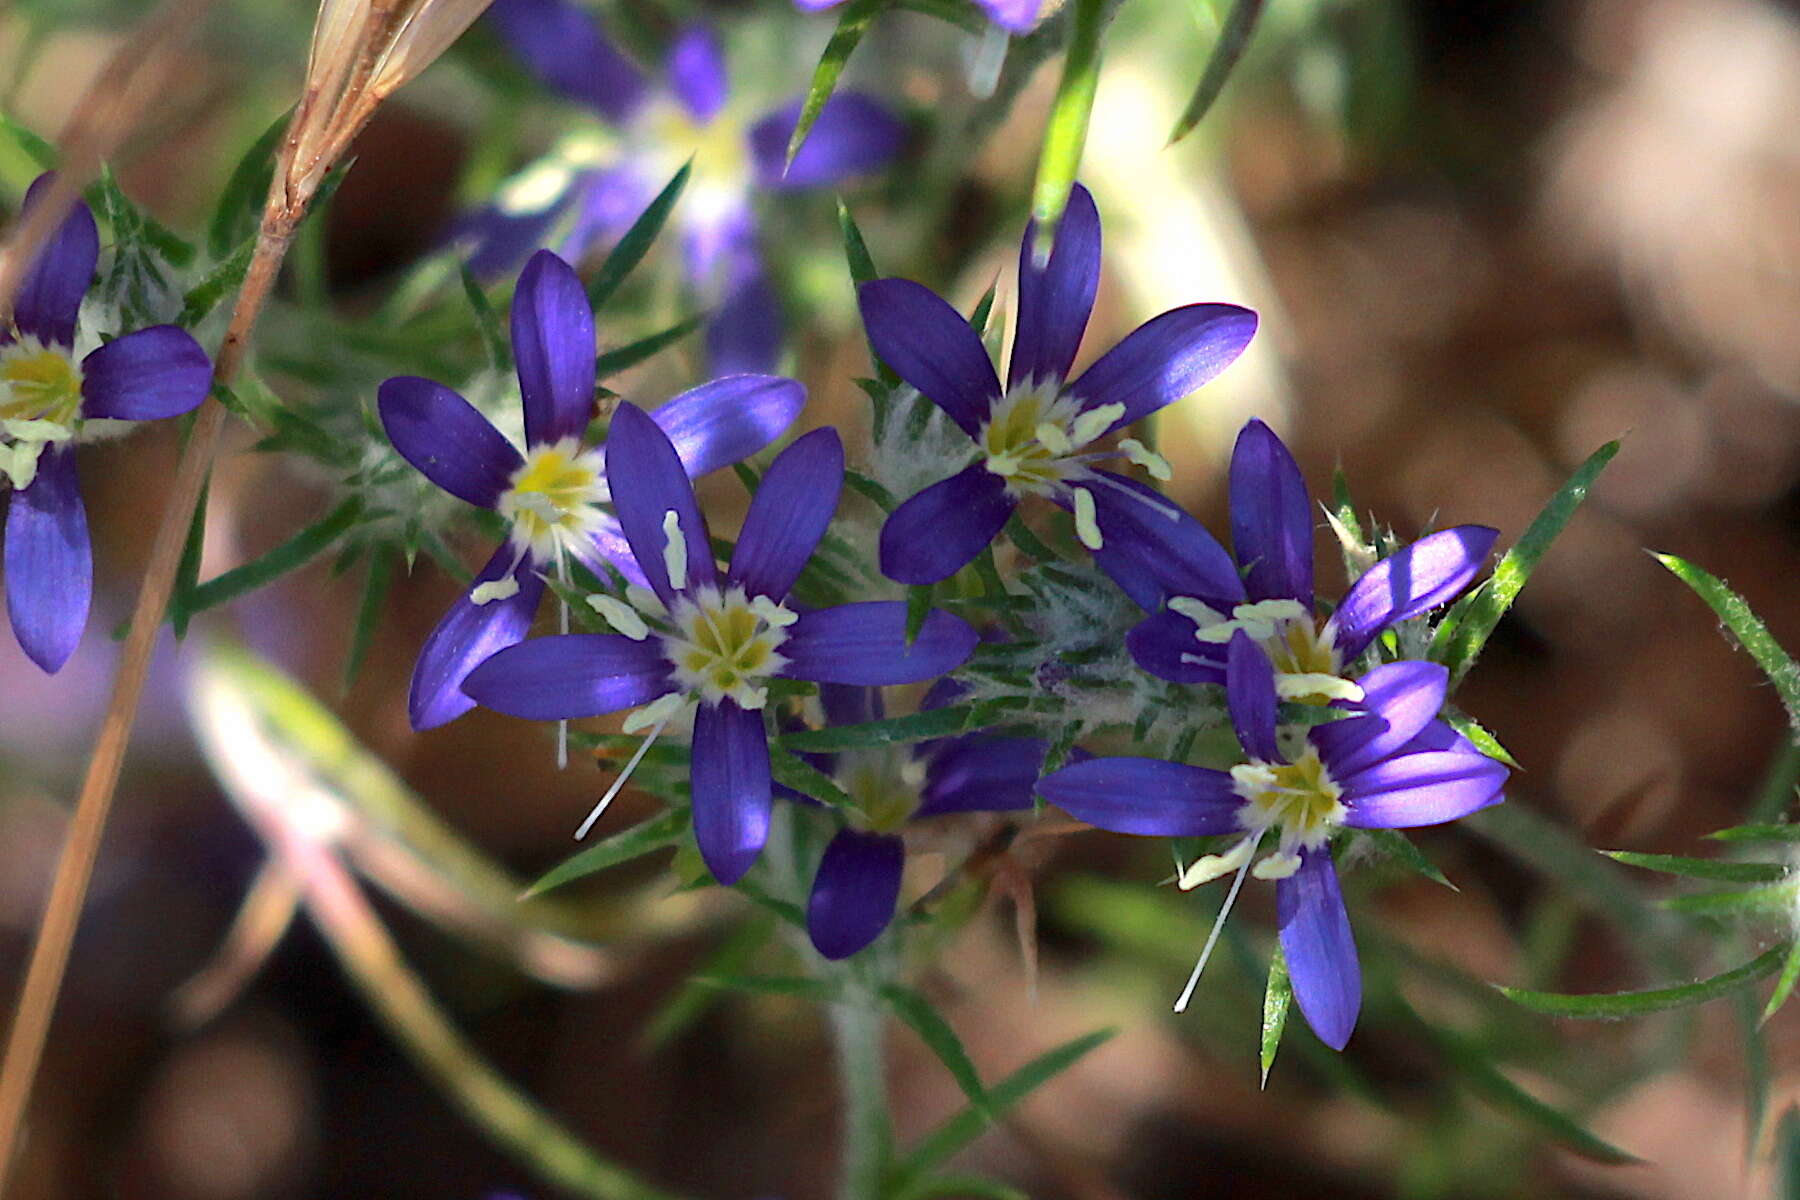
619,783
772,614
655,713
1149,500
1212,939
1054,439
1004,465
675,550
1143,456
1087,525
1209,867
1094,422
502,588
1312,683
1197,611
1279,865
620,616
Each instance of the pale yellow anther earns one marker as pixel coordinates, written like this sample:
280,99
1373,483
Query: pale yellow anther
620,616
1094,422
1311,685
502,588
1053,438
1005,465
1209,867
654,713
1155,464
1276,866
675,550
772,613
1087,523
1197,611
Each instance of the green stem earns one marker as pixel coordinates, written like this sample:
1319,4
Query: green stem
856,1025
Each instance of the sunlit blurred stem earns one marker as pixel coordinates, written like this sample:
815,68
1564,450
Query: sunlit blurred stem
985,63
362,50
1066,133
856,1027
264,916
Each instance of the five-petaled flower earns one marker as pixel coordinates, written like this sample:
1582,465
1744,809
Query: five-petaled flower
696,638
1392,764
857,884
49,402
1032,437
1199,598
552,494
584,195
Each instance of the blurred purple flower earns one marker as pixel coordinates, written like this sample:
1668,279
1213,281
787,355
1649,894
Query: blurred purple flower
857,884
49,403
1199,597
583,197
1014,16
1390,765
552,493
692,639
1032,436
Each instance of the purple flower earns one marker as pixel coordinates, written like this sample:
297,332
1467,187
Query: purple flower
49,403
582,197
1014,16
1200,598
857,884
1032,436
1391,765
695,639
552,494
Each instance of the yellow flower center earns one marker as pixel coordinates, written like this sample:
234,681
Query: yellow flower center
554,498
885,785
726,644
1307,665
1299,800
38,383
1034,437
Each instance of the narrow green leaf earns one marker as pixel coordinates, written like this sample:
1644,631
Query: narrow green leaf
1029,543
950,1137
1396,846
296,552
793,771
234,218
1484,741
961,1187
1784,983
1614,1005
862,270
614,361
1065,134
1471,621
368,614
637,240
1758,833
646,837
187,571
691,1001
487,322
869,488
36,148
1787,1155
1276,999
918,607
942,1041
1747,628
1701,868
851,26
770,985
1477,1072
198,302
984,310
1768,898
1234,37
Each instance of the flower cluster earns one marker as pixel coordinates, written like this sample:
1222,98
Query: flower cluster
1335,734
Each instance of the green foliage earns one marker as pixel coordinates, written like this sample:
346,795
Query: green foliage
1234,39
1466,628
1746,628
1065,134
1277,999
637,240
658,833
925,1020
853,22
1614,1005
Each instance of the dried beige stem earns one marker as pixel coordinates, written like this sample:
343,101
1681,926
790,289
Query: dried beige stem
363,49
